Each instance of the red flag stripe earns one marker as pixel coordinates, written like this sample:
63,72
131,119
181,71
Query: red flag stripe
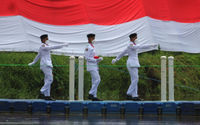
101,12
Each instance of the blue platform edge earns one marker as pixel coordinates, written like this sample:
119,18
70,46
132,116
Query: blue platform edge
116,107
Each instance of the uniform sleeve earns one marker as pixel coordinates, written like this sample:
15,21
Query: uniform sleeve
122,54
88,56
145,46
52,47
141,46
36,58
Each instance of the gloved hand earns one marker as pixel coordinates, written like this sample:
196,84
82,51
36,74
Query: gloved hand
114,61
99,59
30,64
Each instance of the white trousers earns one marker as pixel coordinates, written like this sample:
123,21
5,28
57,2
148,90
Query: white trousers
48,79
133,88
95,82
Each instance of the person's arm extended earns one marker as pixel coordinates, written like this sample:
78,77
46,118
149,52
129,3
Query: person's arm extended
119,56
54,47
143,46
35,60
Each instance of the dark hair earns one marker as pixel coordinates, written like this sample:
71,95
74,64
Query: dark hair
42,37
132,35
90,35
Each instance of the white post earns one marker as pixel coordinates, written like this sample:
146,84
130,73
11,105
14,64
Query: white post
71,77
163,78
81,79
171,78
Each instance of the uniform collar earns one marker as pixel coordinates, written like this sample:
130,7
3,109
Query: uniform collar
133,43
44,44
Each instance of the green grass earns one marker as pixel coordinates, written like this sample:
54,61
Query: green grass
23,82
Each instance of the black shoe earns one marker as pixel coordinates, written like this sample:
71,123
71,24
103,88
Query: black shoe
129,97
96,99
41,96
90,96
49,98
137,99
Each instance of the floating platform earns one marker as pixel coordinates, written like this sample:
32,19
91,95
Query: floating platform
101,107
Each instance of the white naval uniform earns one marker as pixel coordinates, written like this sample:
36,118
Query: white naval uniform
46,66
133,65
92,67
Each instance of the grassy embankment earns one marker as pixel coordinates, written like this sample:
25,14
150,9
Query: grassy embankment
23,82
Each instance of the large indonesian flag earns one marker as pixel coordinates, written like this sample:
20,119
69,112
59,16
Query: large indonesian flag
174,24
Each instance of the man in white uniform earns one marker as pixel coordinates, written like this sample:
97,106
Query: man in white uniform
92,67
133,65
46,65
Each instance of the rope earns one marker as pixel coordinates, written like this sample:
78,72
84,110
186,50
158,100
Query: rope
26,65
115,66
